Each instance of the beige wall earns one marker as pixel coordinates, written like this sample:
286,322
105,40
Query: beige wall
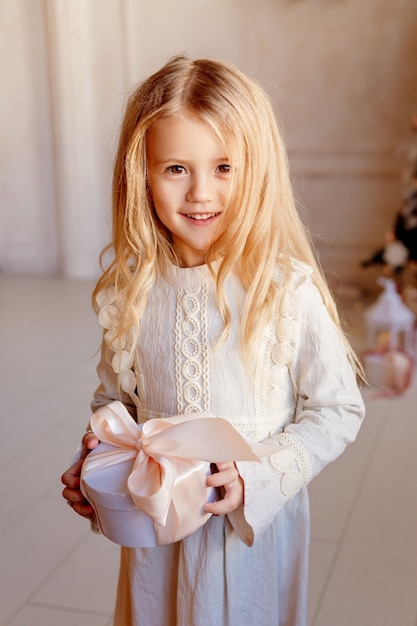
342,73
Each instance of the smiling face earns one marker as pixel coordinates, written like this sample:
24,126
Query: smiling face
189,175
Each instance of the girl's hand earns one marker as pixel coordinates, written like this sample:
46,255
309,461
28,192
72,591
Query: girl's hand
71,480
227,479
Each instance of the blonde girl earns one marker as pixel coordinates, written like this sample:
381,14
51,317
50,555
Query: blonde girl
213,302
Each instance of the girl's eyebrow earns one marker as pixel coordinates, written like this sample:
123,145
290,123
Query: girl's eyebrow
222,159
165,161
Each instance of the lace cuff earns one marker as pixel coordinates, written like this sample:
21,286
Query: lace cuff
293,461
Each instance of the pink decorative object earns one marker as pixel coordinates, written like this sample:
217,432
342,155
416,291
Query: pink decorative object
390,370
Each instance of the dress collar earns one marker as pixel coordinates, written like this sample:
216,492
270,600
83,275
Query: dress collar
188,277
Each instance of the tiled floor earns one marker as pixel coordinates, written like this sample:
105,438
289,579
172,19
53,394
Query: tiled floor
54,572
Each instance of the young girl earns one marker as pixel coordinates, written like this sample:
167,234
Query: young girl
213,302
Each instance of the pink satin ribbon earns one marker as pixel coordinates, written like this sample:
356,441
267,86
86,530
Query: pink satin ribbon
167,483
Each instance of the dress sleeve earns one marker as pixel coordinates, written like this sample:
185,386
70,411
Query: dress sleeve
329,413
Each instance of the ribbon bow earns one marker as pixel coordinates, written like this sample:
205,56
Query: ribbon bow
168,477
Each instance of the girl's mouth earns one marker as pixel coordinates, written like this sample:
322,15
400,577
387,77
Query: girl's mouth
199,217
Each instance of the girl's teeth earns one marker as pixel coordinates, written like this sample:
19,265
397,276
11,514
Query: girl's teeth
201,216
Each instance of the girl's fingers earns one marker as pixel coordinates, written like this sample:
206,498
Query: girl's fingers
78,503
90,441
73,495
71,478
226,473
84,509
233,498
229,480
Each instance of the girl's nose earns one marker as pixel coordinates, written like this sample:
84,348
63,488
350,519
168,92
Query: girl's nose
199,190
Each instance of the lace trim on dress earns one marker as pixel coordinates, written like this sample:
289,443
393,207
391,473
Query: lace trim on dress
258,428
280,352
191,355
124,361
293,461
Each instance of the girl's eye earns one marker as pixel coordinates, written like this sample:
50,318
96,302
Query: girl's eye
176,169
224,168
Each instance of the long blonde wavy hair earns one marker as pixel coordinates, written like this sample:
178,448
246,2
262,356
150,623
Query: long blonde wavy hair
260,227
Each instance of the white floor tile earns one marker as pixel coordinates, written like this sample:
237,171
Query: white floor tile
321,558
35,473
63,403
32,549
334,491
374,580
44,616
87,580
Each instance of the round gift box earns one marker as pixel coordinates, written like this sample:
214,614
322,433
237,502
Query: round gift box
118,517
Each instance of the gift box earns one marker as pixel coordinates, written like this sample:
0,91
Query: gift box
119,519
147,483
389,369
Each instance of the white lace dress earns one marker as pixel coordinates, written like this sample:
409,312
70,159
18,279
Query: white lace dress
251,566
